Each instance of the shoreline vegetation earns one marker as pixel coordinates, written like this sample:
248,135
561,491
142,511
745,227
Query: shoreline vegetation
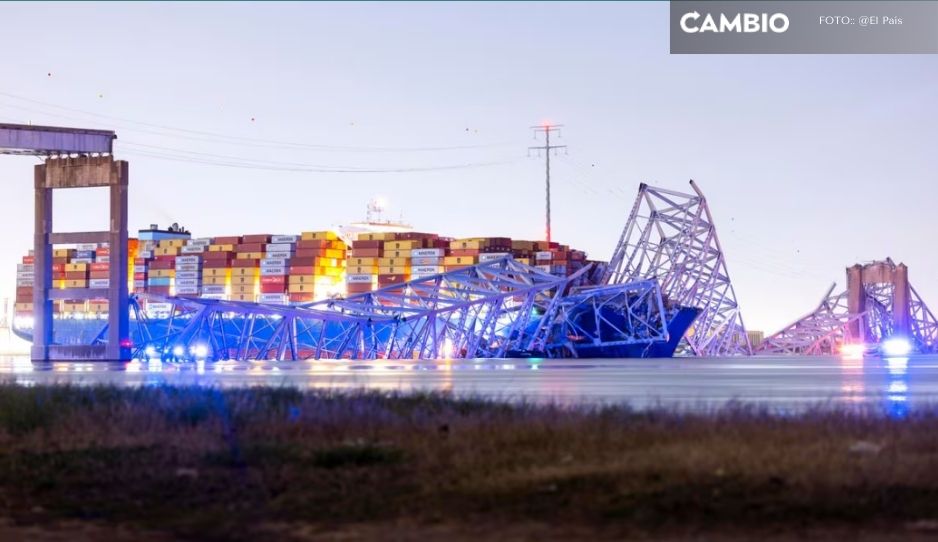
189,463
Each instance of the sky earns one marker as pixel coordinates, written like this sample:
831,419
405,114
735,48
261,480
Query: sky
259,117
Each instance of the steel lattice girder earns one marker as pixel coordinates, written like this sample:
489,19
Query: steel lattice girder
826,328
485,310
604,316
670,237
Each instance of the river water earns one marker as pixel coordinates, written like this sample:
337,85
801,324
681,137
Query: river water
894,386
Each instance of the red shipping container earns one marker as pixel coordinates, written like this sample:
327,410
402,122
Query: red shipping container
272,288
29,259
273,279
302,270
250,247
140,276
301,297
141,261
464,252
303,262
165,258
391,279
60,275
162,264
229,240
310,253
221,255
413,235
245,262
76,275
99,275
367,244
313,243
62,260
158,290
24,298
102,251
216,264
58,268
24,290
365,253
256,238
99,267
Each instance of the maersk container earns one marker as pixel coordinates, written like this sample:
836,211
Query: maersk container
490,256
279,254
200,242
273,270
186,267
187,290
279,247
188,259
187,282
427,252
426,270
273,262
187,275
213,288
273,299
189,249
99,283
359,279
283,239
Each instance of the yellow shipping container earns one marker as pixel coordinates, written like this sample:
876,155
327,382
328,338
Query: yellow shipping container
76,283
524,245
393,262
63,253
242,289
249,255
394,270
166,251
214,280
238,279
362,261
339,244
403,245
300,288
525,261
460,260
375,236
362,270
245,271
468,244
99,306
243,297
318,235
331,271
171,243
333,253
162,273
76,267
72,307
23,307
301,279
220,248
216,272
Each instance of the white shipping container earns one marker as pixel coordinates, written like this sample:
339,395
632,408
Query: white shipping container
25,267
281,239
25,282
82,260
543,255
140,284
426,261
187,267
145,254
99,283
490,256
25,275
543,267
275,299
426,270
103,259
190,282
273,262
188,249
427,252
158,308
220,297
140,269
273,271
358,279
86,246
187,290
186,275
213,288
279,255
200,242
279,247
188,259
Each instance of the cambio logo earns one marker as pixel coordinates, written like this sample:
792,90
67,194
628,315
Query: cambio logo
741,22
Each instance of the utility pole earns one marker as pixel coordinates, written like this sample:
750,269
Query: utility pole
547,129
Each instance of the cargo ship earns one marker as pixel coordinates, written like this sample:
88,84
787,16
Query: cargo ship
285,270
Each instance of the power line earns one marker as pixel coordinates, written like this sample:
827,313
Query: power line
216,137
547,129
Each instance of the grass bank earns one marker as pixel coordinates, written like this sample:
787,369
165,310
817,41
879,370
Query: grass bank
279,464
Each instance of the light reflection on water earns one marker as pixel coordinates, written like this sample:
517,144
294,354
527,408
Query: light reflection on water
892,385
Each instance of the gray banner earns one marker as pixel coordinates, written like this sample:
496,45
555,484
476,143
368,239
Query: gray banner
761,27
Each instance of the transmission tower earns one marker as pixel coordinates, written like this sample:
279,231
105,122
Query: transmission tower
547,129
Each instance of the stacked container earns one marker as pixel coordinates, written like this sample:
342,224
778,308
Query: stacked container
217,267
25,279
317,269
278,254
362,262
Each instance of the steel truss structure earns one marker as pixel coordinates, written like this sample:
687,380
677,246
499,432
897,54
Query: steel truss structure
487,310
825,329
671,238
606,317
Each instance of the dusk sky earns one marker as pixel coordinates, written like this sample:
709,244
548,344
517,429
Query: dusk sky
229,113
